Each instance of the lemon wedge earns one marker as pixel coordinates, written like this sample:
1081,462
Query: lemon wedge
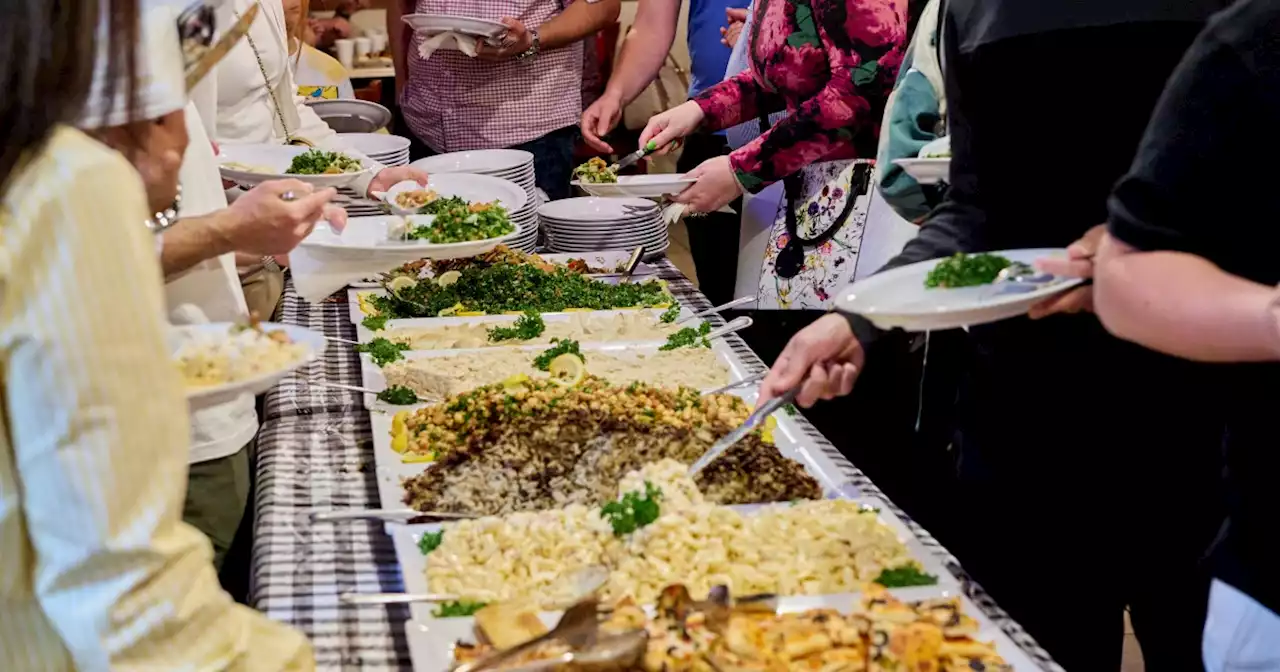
398,422
365,306
766,432
567,370
418,458
401,282
400,442
448,278
471,313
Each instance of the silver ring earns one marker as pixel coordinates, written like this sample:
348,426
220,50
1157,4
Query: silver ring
288,196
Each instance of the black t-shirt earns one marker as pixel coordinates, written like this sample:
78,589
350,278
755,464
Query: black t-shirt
1205,182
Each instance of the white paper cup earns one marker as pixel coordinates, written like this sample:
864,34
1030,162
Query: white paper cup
362,48
346,52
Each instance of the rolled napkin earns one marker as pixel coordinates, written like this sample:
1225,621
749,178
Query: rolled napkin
318,273
674,212
448,40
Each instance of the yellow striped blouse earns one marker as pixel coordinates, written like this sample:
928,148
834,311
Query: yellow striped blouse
97,570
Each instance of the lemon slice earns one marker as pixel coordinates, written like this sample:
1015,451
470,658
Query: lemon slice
448,278
450,311
766,433
567,370
471,313
400,442
401,282
418,458
398,422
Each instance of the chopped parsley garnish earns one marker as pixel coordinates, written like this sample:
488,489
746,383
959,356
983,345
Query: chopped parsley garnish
505,288
398,395
430,541
374,322
382,351
966,270
543,362
904,576
458,221
791,410
689,337
669,315
458,609
633,511
526,328
320,162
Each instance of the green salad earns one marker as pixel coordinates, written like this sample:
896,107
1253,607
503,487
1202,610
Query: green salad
320,162
459,221
966,270
507,288
595,171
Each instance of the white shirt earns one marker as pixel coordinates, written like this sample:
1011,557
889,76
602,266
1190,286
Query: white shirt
247,114
213,286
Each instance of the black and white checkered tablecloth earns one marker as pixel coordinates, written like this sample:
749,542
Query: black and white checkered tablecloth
315,451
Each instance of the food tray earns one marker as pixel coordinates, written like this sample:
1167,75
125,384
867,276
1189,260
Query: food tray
431,640
364,335
789,438
357,316
606,260
413,564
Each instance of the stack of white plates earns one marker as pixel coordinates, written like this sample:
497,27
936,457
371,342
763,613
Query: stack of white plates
389,150
591,224
508,164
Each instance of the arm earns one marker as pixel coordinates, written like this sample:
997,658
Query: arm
193,240
1185,306
122,580
736,100
578,21
862,68
644,50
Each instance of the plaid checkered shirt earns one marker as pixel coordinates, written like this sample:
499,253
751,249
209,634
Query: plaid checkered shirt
457,103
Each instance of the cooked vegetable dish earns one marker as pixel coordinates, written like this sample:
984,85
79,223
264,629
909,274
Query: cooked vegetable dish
458,221
966,270
320,162
595,171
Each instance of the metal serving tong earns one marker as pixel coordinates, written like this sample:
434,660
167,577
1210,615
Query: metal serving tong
758,416
389,515
713,311
745,382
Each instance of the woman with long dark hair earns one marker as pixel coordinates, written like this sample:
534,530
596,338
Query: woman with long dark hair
97,570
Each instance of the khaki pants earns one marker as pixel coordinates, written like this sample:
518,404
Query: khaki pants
217,494
262,292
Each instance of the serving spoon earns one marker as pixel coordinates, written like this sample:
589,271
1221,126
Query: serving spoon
389,515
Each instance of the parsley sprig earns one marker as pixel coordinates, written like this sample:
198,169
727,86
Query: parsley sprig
430,541
383,351
670,314
374,322
904,576
458,609
966,270
689,337
526,328
633,511
398,395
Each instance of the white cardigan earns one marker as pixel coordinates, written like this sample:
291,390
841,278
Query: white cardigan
246,114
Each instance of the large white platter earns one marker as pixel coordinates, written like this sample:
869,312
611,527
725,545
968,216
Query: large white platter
200,397
413,564
899,299
789,438
275,160
432,640
367,237
610,261
639,186
364,335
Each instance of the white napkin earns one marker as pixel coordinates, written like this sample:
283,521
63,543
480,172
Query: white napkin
448,40
317,273
676,211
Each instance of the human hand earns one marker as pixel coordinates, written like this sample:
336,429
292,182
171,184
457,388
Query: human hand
730,34
1077,264
262,222
825,356
389,177
601,118
671,125
716,186
515,41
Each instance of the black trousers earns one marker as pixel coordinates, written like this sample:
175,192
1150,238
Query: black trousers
713,237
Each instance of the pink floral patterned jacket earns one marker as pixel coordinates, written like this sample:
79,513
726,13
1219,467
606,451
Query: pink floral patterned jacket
831,64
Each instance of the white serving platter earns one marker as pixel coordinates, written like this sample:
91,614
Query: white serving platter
365,238
432,640
898,298
639,186
201,397
364,334
413,564
274,161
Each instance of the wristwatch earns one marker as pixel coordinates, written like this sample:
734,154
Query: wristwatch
533,49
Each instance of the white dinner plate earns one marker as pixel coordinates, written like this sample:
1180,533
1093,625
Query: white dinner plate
898,298
380,145
595,209
927,171
478,161
601,238
439,23
366,237
201,397
274,160
639,186
350,115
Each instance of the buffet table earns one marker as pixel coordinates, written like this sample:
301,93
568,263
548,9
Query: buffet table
315,452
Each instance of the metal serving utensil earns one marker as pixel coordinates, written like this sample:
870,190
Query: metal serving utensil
712,311
391,515
577,629
749,380
620,651
738,324
754,420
